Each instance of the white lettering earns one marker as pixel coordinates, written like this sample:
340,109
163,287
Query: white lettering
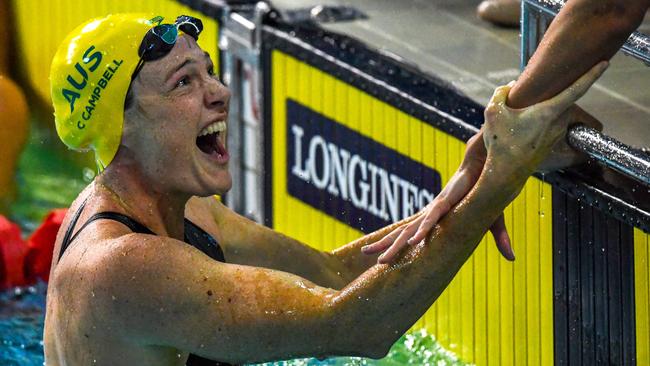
360,202
388,194
425,198
297,169
315,143
409,196
349,176
339,171
373,189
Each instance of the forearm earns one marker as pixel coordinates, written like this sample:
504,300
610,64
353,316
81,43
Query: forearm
406,289
269,249
584,33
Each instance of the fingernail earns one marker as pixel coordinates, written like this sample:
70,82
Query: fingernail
364,249
410,241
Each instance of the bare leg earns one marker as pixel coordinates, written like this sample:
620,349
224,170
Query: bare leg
500,12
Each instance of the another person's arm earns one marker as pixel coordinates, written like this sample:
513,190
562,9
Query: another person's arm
583,33
181,298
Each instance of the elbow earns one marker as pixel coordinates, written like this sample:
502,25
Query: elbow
347,337
367,349
376,346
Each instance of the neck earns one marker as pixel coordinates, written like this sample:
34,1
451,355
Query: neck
143,198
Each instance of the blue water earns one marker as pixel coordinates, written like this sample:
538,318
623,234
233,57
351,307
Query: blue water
21,326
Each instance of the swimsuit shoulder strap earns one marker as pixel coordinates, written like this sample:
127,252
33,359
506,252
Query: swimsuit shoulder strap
68,233
194,235
127,221
201,240
132,224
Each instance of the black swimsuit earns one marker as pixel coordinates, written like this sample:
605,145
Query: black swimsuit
194,235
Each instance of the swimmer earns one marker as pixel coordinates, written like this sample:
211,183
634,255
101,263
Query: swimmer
568,49
500,12
150,269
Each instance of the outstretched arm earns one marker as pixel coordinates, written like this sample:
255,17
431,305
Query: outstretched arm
583,33
222,311
248,243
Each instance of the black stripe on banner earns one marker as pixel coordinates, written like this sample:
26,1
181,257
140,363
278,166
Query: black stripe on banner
593,281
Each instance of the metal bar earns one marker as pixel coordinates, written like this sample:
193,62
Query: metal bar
638,46
611,152
526,35
614,154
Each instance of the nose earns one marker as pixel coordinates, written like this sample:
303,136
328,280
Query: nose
217,96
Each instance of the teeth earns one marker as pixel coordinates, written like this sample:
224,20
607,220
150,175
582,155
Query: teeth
214,127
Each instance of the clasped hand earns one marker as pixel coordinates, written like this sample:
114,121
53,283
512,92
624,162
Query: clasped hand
524,136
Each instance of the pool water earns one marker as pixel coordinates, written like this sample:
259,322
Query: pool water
50,177
21,326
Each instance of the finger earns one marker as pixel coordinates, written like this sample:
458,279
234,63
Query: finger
501,237
429,221
463,182
382,244
499,97
576,90
399,244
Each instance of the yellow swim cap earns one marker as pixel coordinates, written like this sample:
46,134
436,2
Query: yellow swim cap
89,79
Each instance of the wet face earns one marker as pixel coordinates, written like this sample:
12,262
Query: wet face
176,128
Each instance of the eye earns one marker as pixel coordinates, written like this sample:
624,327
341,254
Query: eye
212,73
185,80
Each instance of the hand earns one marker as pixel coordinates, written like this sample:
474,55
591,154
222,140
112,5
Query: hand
458,186
520,133
518,140
562,155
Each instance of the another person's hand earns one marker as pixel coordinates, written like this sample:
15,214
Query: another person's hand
562,155
458,186
527,135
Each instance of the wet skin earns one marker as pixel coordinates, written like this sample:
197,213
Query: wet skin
568,49
120,298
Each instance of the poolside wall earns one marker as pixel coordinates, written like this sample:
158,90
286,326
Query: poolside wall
578,291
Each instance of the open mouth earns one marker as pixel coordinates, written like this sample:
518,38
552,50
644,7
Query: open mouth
211,141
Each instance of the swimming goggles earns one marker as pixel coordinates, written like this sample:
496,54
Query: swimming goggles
160,39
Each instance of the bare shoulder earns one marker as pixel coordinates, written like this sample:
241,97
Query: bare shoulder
154,290
145,256
140,274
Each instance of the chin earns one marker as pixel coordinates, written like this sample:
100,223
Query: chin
220,187
223,189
